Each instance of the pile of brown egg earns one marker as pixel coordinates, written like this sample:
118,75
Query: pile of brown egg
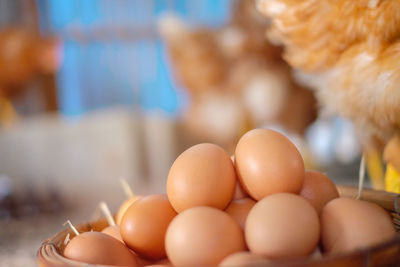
254,208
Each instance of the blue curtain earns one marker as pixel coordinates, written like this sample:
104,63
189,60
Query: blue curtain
101,72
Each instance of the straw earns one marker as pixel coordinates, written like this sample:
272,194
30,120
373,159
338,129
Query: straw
106,211
71,226
361,176
127,189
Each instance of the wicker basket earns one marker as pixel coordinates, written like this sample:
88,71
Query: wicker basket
387,254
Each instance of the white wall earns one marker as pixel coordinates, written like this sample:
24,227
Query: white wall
85,157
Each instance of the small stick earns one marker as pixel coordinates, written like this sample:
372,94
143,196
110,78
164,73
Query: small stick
66,240
71,226
106,211
127,189
361,176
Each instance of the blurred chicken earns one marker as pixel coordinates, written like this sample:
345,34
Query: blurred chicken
23,57
236,80
349,51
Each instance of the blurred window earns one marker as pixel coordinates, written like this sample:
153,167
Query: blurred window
112,53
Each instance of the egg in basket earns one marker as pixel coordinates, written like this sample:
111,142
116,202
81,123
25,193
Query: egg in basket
258,208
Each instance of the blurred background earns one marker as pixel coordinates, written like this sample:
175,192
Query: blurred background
98,90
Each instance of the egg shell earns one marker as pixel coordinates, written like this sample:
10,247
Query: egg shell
202,236
99,248
239,209
244,259
144,225
282,226
349,224
125,205
202,175
113,231
268,163
318,189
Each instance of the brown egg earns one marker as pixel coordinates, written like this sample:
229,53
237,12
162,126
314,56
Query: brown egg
282,226
239,209
318,189
244,259
99,248
268,163
202,236
144,225
124,207
113,231
349,224
203,175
